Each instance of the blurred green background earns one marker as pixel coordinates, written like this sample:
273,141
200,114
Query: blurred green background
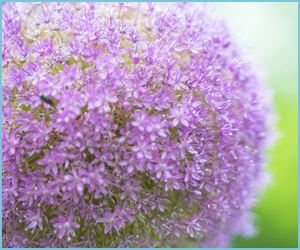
270,31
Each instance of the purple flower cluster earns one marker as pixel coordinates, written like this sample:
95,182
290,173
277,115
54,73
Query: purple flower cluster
128,125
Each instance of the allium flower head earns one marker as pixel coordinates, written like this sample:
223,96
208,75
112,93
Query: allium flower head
129,125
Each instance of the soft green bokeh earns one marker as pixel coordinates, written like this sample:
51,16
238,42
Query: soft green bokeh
271,32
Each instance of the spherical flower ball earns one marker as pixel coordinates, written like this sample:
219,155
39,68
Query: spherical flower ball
129,125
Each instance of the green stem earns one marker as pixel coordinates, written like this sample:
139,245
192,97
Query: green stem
111,239
35,235
102,240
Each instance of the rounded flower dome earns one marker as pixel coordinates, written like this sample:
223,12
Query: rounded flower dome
129,125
